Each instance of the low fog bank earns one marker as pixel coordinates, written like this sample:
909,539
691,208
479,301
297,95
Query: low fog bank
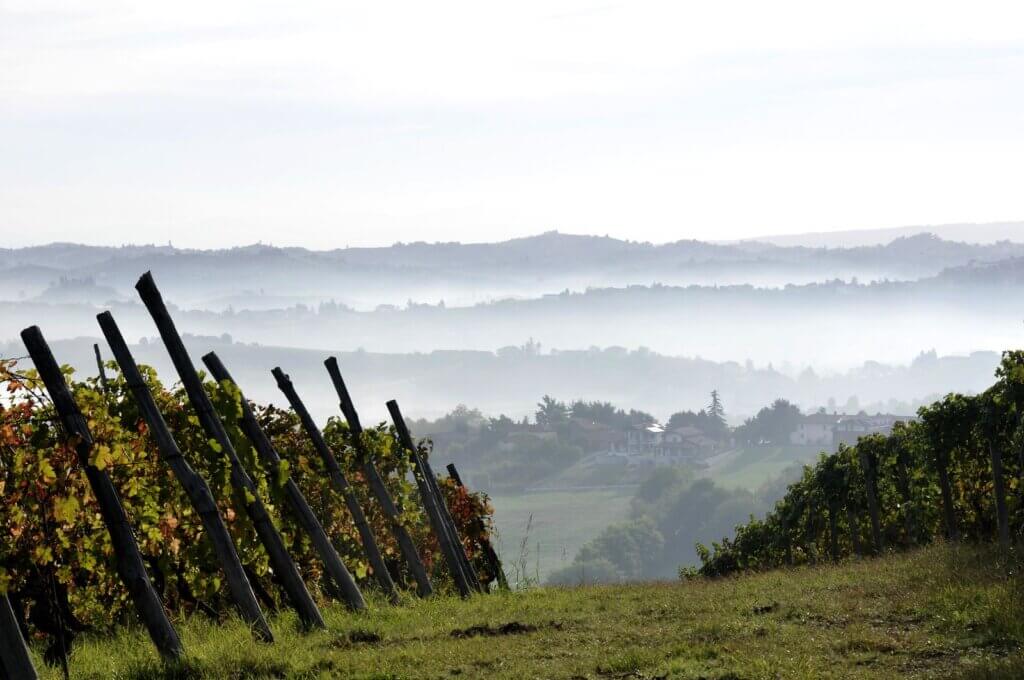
832,326
511,381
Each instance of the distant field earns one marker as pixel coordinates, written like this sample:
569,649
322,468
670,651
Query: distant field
750,467
562,522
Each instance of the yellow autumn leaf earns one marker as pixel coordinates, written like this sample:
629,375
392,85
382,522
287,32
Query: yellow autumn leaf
65,509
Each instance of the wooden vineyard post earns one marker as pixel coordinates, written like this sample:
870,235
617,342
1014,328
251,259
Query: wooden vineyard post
485,544
191,481
280,561
869,462
999,489
126,551
467,567
300,507
903,482
341,486
99,365
437,523
412,558
15,662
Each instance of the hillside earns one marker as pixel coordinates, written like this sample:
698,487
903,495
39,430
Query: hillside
937,612
267,277
972,233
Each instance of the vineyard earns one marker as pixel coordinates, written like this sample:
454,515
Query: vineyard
955,473
125,500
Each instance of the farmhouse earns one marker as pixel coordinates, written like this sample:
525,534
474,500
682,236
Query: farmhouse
817,429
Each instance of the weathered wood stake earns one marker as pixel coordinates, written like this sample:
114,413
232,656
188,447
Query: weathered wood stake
999,489
280,561
300,507
130,566
191,481
99,365
485,544
341,486
394,514
15,661
437,523
467,566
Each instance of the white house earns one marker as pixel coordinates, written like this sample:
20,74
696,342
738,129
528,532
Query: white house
817,429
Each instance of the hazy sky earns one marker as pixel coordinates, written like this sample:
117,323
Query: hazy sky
333,123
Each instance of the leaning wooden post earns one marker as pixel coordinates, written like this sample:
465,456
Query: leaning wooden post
869,462
485,544
394,514
341,486
300,507
99,365
126,551
15,661
437,523
280,561
467,566
191,481
999,488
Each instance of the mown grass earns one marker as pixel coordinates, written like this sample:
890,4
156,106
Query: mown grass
936,612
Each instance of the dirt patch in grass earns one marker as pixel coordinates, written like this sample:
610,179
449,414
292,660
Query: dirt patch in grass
510,628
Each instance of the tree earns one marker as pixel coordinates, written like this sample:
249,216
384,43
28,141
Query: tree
716,417
772,424
551,412
599,412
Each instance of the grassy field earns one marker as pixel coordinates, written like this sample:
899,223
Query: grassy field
562,521
750,467
937,612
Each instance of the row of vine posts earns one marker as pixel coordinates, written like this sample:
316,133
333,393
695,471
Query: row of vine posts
15,660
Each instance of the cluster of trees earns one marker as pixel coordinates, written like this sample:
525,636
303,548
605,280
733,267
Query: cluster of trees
552,413
772,425
56,560
710,421
957,472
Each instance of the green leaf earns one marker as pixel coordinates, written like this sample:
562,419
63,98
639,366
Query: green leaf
65,509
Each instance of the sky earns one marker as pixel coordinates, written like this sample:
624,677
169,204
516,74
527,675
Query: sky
326,124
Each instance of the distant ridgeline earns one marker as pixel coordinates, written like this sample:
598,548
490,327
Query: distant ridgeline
956,472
